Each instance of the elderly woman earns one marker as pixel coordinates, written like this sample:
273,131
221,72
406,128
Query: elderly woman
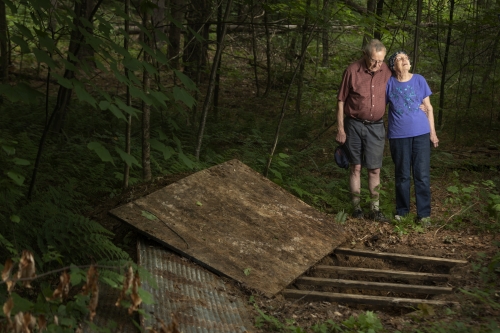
410,134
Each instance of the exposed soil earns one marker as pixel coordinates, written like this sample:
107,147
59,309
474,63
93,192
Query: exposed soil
435,241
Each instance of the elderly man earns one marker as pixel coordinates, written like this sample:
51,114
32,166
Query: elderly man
361,107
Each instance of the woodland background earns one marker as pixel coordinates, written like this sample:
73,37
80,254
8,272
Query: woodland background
101,96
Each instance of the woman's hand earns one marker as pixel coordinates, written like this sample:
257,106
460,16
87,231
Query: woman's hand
434,140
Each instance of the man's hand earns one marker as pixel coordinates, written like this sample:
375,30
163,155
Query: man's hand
341,137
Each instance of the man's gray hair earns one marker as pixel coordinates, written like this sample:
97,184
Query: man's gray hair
372,45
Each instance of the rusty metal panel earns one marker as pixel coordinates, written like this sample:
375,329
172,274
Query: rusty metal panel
237,223
196,297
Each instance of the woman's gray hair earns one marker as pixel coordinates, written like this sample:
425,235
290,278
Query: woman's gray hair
374,44
392,59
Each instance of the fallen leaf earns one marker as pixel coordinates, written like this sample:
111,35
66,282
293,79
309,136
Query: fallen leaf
7,308
136,299
62,289
127,283
7,269
26,268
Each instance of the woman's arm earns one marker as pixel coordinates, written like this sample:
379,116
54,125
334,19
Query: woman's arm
430,117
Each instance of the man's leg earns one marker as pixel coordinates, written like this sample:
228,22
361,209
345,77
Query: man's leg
355,187
373,183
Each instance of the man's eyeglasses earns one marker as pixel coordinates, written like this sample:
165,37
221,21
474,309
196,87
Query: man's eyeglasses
373,61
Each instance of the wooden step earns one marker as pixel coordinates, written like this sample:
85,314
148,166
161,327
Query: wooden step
400,257
402,275
390,287
307,295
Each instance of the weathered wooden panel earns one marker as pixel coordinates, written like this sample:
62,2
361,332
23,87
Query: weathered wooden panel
236,222
393,287
400,257
306,295
393,274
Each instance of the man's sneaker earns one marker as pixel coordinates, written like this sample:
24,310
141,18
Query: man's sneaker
378,216
398,218
424,221
358,214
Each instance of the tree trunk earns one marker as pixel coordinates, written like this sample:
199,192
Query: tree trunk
174,35
128,128
303,48
210,89
195,51
445,65
371,6
325,38
146,108
254,51
4,50
417,35
217,76
77,40
268,51
378,26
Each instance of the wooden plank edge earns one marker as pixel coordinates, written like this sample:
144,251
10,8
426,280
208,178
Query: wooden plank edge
340,283
359,299
400,257
383,273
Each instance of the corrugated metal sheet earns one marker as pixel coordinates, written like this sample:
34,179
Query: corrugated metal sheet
196,297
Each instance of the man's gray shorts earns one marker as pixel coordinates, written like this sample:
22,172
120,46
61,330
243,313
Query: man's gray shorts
365,142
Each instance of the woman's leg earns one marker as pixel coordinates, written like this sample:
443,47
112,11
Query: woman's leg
421,163
401,156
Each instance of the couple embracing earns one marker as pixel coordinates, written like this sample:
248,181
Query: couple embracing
368,85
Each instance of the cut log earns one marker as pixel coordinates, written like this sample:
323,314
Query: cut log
400,257
392,287
359,299
402,275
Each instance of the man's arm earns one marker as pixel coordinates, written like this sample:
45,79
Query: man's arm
341,137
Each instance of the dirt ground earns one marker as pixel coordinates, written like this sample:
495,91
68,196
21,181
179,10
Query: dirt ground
435,241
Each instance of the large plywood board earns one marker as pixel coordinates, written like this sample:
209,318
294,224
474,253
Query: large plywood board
237,223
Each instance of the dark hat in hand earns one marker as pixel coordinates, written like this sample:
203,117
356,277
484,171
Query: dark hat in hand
342,156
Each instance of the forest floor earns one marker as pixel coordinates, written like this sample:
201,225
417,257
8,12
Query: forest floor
443,239
439,240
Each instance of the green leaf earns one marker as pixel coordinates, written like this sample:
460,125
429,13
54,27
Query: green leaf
62,81
146,297
20,161
128,109
104,105
17,178
24,30
148,215
183,96
43,56
117,112
132,63
102,152
198,203
160,97
25,48
20,93
76,275
187,162
9,150
283,155
186,81
15,218
166,150
110,282
21,304
84,96
127,158
247,271
452,189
